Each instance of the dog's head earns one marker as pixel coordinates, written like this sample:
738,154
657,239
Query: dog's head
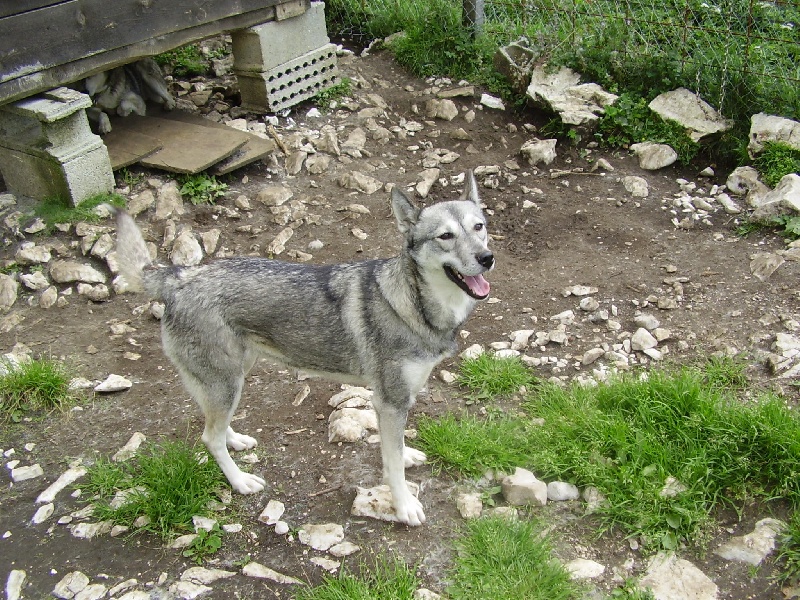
449,238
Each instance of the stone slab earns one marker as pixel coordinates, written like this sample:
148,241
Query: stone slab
186,147
255,148
126,147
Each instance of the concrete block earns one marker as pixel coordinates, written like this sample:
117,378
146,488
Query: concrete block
48,149
291,82
266,46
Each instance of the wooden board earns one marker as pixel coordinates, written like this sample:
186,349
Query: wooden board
126,147
186,147
63,42
254,149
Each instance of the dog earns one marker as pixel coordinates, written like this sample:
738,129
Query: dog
381,323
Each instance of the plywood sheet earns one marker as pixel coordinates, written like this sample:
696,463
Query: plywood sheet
186,147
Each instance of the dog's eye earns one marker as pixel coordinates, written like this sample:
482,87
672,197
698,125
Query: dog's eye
478,226
446,236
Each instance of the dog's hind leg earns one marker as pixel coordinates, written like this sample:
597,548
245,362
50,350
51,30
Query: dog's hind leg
218,400
240,441
391,425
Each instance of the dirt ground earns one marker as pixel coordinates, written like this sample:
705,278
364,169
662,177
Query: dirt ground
582,229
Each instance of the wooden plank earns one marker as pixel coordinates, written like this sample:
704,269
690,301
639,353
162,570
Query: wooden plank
186,147
76,38
126,147
254,149
15,7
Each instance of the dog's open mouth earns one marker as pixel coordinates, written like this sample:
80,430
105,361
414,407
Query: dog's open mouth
473,285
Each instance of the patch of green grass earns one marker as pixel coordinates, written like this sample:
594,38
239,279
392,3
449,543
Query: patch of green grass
789,552
202,188
388,579
629,120
629,436
471,445
186,61
488,376
325,98
776,161
38,385
170,486
506,559
58,210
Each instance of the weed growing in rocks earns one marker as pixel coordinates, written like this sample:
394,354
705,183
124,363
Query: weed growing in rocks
201,188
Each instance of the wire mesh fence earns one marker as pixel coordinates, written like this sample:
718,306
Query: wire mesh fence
742,56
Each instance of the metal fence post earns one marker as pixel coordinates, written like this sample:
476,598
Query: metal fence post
473,16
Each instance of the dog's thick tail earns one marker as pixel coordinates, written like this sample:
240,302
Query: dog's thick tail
133,256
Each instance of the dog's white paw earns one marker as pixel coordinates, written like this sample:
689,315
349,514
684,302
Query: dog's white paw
408,510
413,458
239,441
247,483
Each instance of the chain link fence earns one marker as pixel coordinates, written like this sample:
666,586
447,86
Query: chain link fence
742,56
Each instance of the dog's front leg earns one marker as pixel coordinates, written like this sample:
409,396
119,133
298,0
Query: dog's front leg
392,424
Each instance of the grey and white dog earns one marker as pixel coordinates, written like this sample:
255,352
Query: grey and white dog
382,323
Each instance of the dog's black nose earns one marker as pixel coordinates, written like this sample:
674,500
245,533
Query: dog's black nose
485,259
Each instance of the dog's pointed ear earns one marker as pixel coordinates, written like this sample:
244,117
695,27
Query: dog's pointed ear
404,210
471,188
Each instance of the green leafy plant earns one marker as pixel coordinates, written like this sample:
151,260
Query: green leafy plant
488,376
55,210
326,98
205,544
630,591
186,61
202,188
776,161
38,385
629,120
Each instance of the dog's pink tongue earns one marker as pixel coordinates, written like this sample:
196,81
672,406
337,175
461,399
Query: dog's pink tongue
478,284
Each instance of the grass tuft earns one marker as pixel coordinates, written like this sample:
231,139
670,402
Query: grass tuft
38,385
388,579
776,161
506,559
324,99
168,484
488,376
789,552
55,210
